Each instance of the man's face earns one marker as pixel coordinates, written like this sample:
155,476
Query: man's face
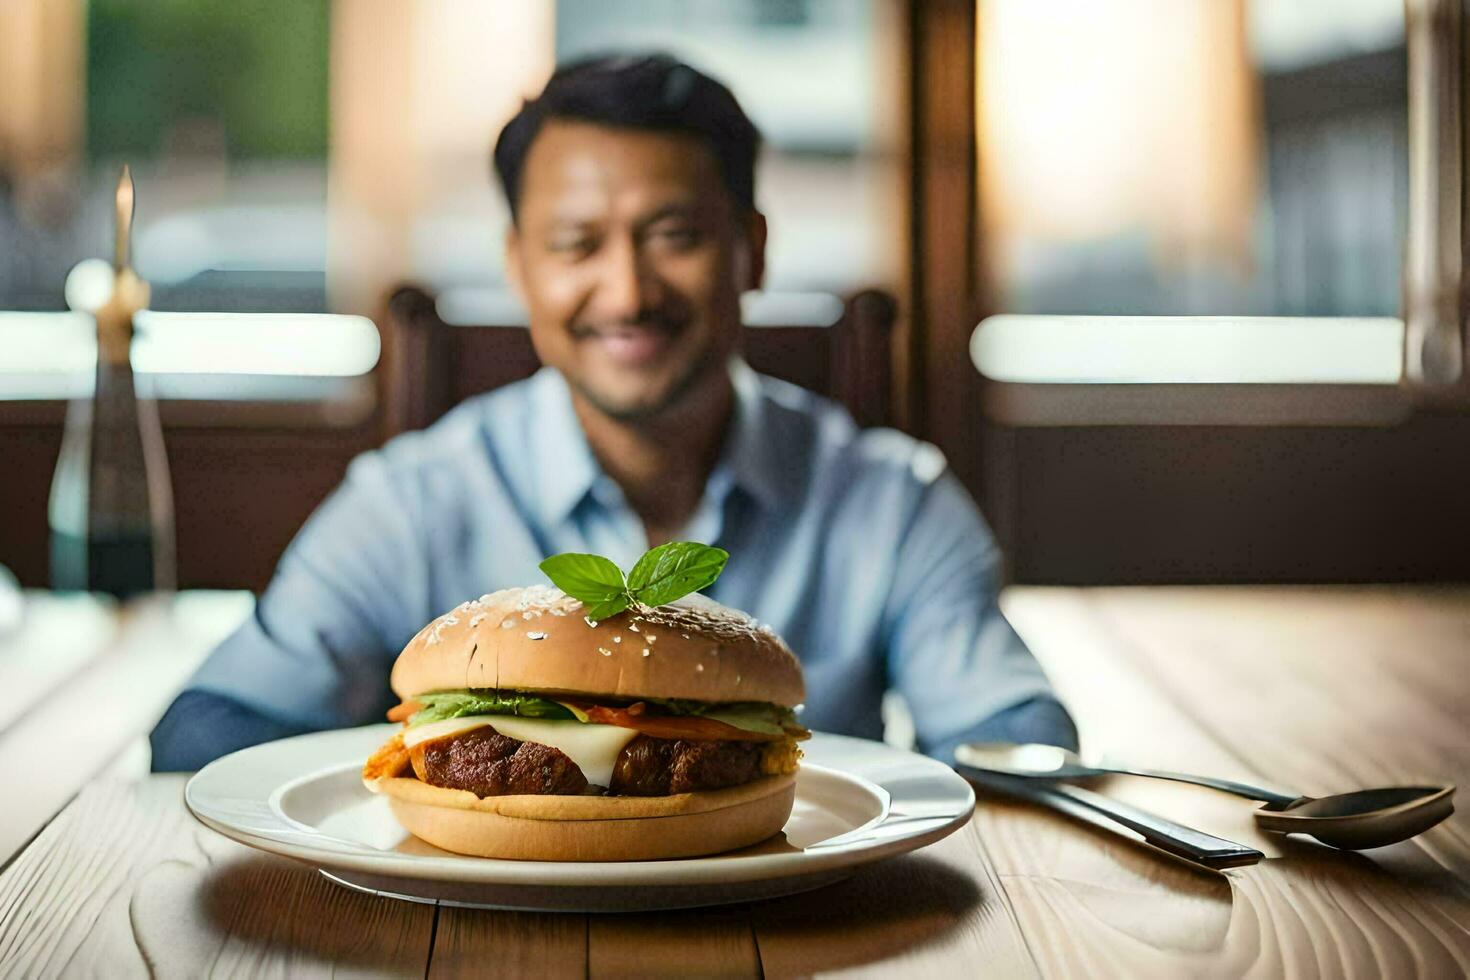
631,258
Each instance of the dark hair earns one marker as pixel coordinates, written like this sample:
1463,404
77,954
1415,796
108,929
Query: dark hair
655,92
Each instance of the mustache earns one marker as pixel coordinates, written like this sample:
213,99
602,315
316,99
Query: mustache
667,321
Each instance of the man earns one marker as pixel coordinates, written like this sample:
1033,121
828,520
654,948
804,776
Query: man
634,233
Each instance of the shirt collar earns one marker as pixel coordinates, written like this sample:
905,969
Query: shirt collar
567,472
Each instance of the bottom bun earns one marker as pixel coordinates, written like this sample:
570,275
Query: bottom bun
591,828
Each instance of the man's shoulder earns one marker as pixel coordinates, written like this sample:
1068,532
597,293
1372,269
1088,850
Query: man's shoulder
470,429
825,432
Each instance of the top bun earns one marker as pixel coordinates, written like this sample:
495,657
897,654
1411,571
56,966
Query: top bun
537,639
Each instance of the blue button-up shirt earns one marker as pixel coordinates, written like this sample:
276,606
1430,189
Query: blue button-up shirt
858,546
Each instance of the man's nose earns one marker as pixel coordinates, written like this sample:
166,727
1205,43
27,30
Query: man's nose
629,287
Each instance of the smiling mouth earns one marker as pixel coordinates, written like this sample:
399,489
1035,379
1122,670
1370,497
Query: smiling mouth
631,345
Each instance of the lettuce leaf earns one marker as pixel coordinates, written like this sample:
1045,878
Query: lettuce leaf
442,705
577,712
752,716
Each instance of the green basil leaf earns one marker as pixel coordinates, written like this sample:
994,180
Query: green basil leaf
659,563
607,608
591,578
675,569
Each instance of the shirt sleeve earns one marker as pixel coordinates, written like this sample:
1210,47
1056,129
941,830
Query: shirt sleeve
199,727
350,590
951,652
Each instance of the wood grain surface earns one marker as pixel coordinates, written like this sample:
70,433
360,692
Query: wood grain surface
126,883
56,636
1314,689
109,695
1319,690
473,943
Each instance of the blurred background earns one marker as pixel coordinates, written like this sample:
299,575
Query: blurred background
1000,163
1136,156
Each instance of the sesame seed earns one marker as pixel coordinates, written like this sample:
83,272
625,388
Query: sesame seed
604,651
645,651
651,638
633,627
535,635
617,639
590,622
699,667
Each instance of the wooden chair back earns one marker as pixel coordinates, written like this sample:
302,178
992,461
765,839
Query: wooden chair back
429,365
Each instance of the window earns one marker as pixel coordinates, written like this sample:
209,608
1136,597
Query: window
221,111
821,80
1194,156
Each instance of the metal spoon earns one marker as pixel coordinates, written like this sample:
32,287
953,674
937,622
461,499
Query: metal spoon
1351,821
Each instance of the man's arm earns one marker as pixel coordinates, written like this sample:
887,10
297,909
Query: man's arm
201,726
964,672
316,653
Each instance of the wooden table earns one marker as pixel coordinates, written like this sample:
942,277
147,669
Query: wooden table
1319,689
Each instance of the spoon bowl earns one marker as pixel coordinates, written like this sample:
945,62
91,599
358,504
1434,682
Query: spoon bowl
1351,821
1366,818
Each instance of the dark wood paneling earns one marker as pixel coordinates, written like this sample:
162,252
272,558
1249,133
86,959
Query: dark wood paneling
944,260
240,494
1197,504
27,457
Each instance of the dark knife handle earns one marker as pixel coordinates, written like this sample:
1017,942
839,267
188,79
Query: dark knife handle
1184,842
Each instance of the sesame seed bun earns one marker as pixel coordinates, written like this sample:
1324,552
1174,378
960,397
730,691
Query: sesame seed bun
592,828
538,639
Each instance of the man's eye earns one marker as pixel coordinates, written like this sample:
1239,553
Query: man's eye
572,245
679,236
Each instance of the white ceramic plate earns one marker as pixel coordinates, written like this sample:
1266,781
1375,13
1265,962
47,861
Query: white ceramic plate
856,801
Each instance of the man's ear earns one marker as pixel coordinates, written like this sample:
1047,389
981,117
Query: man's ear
755,236
513,274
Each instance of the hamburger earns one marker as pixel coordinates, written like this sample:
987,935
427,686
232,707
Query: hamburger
531,731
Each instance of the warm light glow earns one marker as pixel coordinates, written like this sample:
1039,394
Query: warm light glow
419,91
124,222
285,344
42,85
89,285
1097,119
1189,350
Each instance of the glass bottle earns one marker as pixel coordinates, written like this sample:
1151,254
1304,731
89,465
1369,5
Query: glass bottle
111,507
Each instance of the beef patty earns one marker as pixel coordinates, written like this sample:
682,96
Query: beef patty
663,766
488,763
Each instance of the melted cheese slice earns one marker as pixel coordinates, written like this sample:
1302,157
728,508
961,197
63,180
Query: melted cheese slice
594,748
439,729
